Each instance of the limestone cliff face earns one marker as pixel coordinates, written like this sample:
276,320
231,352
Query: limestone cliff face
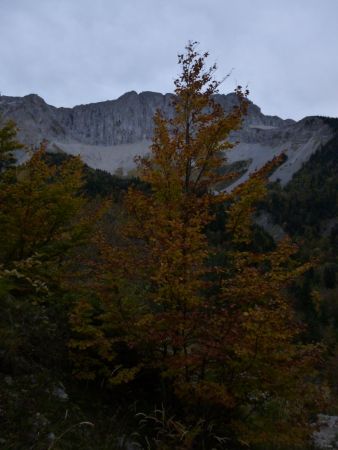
127,120
109,134
36,120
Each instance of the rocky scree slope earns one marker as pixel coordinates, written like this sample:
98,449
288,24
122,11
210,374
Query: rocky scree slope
108,135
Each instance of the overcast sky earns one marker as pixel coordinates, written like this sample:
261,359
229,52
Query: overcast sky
81,51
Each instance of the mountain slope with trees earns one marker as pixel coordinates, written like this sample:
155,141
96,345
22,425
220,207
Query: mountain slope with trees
152,312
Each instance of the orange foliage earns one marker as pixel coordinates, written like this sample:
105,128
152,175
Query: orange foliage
223,336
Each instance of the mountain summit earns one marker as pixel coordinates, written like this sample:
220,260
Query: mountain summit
108,135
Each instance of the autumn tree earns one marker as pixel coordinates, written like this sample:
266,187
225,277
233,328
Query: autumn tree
38,203
222,337
42,226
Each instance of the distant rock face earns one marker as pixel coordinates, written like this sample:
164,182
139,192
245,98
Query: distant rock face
127,120
109,134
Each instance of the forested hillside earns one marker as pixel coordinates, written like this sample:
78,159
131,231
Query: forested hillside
308,204
307,209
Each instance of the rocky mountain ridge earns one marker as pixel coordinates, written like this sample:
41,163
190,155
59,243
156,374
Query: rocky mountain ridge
109,134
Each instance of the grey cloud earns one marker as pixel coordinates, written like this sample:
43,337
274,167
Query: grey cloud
79,51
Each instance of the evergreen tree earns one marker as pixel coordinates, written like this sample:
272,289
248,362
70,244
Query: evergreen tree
8,144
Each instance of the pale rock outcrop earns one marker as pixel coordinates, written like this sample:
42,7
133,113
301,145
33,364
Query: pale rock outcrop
108,135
